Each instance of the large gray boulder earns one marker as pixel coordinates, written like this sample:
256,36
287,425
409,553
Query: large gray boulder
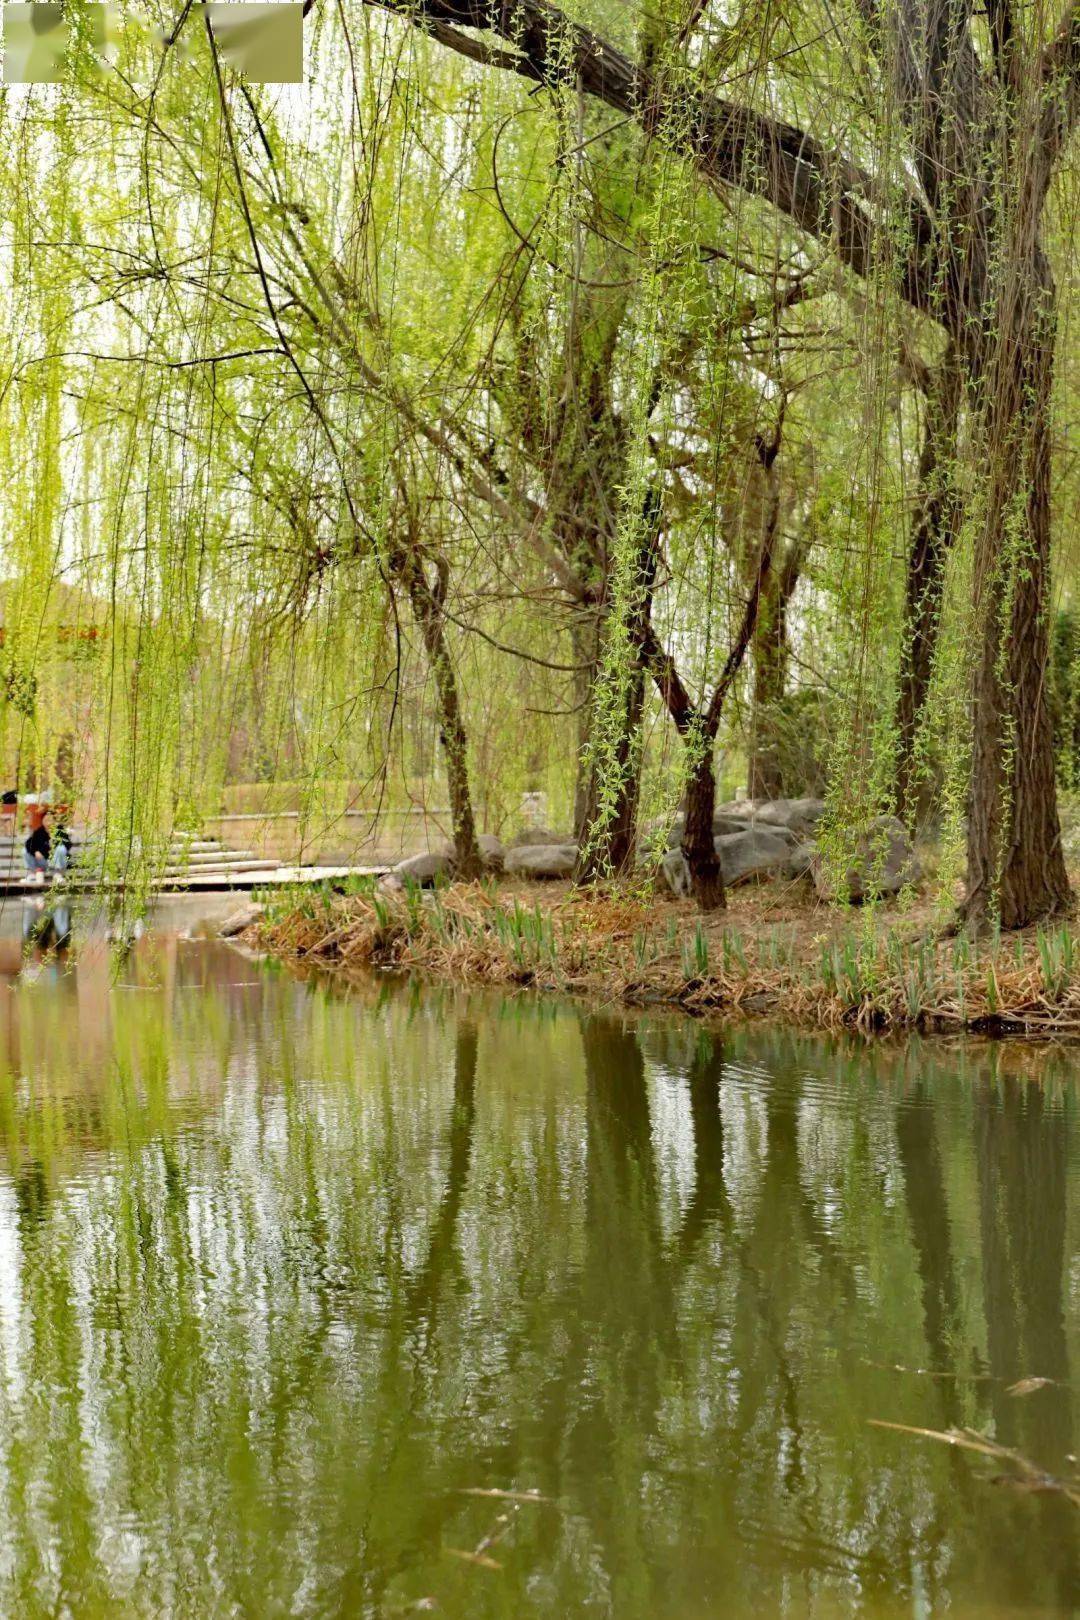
240,920
758,852
529,837
800,816
883,862
722,824
425,870
541,860
800,862
676,874
492,853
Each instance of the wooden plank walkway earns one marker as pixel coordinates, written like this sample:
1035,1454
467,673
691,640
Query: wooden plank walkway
194,866
75,883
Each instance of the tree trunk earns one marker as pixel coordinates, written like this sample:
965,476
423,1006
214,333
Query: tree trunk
698,845
583,641
767,626
1016,869
698,727
932,537
770,653
427,606
764,775
608,836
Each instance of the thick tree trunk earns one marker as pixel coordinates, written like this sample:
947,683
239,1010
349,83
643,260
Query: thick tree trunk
427,606
764,775
767,626
1016,869
605,812
583,640
771,657
698,844
608,835
932,537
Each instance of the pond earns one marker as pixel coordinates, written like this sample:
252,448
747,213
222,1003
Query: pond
343,1300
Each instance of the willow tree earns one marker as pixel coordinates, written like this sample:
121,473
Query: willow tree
466,363
956,218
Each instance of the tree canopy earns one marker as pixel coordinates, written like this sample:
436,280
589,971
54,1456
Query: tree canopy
596,401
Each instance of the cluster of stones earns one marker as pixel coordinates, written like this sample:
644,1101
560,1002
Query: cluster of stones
776,838
754,839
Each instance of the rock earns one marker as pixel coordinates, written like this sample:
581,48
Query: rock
722,824
800,862
530,836
390,883
240,920
492,853
426,870
676,873
800,816
758,852
541,860
884,862
752,852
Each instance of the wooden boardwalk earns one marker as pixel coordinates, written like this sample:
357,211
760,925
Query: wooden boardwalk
193,866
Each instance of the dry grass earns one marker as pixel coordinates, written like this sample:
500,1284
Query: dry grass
775,951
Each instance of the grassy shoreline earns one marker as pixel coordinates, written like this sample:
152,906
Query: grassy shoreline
774,953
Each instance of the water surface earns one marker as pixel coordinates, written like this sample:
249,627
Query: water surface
290,1272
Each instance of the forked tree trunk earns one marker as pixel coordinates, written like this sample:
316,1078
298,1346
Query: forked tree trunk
699,726
427,606
698,842
931,541
1016,869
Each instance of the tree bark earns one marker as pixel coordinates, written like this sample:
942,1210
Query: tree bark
608,838
771,656
1016,869
764,774
699,726
583,640
771,591
698,841
931,541
427,606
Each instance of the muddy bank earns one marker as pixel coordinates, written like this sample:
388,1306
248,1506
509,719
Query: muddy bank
774,953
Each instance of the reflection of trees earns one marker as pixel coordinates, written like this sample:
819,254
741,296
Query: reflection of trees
421,1291
709,1202
312,1320
624,1343
947,1357
931,1235
1021,1151
403,1513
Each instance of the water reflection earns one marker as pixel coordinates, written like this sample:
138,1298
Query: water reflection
288,1271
